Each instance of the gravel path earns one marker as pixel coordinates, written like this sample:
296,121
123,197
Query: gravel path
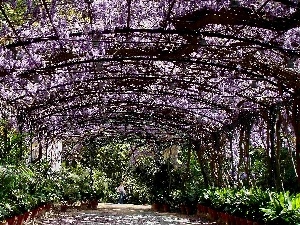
109,214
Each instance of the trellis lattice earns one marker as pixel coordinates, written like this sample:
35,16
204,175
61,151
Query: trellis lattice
148,68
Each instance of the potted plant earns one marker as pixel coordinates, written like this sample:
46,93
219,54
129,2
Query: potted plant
89,200
166,202
189,202
94,195
4,213
64,206
12,213
156,202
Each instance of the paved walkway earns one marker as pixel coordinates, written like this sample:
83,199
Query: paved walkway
110,214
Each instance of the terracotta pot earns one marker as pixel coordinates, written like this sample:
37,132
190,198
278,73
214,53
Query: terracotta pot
249,222
199,209
224,217
209,210
41,210
189,210
220,215
182,209
20,219
166,208
63,208
232,220
237,220
94,204
4,223
34,213
257,223
240,221
26,216
84,205
155,207
11,220
48,207
243,221
205,209
213,213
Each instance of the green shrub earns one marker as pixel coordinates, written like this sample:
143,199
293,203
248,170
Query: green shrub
282,208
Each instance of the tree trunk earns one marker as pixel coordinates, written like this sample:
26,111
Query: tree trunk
241,155
188,161
200,152
278,152
296,124
217,158
232,178
272,121
266,117
5,141
246,151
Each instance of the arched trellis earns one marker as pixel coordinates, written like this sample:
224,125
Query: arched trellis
196,66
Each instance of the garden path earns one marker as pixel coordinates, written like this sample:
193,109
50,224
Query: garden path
127,214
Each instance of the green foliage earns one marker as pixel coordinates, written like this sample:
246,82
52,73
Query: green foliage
136,193
259,168
219,198
12,147
254,204
282,208
246,202
78,183
5,210
24,188
17,12
168,180
152,178
288,173
161,179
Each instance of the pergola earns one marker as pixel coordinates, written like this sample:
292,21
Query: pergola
209,72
